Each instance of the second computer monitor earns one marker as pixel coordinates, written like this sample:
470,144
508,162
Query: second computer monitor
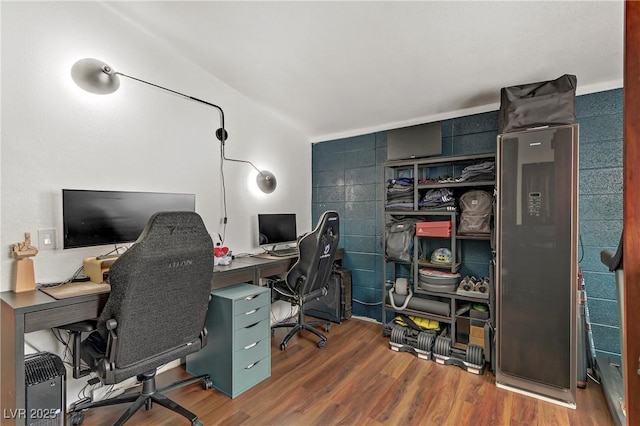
277,229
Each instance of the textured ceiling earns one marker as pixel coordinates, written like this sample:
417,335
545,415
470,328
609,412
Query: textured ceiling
344,68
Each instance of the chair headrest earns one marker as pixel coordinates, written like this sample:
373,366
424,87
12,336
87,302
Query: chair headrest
173,227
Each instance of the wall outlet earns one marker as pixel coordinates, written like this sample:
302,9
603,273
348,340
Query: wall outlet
46,239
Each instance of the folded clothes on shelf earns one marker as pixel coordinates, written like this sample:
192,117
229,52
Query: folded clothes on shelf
400,194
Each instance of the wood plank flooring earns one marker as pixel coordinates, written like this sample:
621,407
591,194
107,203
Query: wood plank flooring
358,380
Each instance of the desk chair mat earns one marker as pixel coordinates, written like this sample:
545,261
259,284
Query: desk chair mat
65,291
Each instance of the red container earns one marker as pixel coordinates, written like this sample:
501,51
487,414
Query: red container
434,229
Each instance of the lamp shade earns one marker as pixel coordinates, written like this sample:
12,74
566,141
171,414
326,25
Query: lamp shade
95,76
266,181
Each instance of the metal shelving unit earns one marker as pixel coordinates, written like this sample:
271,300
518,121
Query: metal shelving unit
428,169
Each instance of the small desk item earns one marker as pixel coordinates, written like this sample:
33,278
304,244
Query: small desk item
75,289
238,354
96,267
24,276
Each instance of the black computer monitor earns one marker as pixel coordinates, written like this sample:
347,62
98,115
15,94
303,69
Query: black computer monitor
93,218
276,229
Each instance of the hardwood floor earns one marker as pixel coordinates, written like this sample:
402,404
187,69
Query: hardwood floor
358,380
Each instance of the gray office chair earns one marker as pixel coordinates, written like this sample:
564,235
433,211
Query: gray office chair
155,312
308,278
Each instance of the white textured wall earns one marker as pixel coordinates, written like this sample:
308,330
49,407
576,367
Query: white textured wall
56,136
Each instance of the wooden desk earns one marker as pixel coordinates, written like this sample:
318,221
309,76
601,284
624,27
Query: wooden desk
249,270
25,312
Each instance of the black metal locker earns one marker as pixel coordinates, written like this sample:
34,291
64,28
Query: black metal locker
536,257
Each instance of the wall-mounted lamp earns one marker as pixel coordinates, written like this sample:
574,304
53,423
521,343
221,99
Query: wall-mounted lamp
96,77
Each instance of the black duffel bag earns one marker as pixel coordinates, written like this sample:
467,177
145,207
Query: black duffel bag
546,103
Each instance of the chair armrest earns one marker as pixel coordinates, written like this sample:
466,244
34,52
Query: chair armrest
86,326
112,340
284,292
315,294
76,329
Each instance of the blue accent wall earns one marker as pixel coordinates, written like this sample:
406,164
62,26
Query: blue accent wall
347,177
600,204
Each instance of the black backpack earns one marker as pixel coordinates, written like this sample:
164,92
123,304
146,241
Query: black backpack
399,240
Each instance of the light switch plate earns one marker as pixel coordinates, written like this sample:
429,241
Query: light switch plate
46,239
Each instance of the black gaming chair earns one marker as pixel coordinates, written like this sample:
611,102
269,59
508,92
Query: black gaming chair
155,313
308,277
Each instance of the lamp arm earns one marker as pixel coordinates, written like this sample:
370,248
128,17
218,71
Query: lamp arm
223,134
245,161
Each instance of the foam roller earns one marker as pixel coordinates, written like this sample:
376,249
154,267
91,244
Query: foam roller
425,305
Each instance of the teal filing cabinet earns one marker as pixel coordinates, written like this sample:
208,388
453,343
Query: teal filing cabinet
238,352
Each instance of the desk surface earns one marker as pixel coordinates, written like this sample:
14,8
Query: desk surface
67,290
246,262
38,310
36,300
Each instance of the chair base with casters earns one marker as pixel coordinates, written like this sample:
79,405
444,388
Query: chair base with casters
301,324
99,361
146,397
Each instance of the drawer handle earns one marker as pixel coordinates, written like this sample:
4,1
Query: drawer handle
251,312
251,345
250,297
252,325
251,365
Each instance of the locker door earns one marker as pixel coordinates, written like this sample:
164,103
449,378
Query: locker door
536,261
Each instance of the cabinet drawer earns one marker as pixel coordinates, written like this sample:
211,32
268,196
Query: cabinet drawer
250,375
252,301
250,334
250,354
251,317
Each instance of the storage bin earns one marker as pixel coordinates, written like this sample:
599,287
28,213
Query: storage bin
434,229
478,317
476,335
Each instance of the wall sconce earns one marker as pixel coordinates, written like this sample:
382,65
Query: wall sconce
96,77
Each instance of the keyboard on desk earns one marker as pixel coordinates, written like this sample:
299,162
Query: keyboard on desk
292,251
